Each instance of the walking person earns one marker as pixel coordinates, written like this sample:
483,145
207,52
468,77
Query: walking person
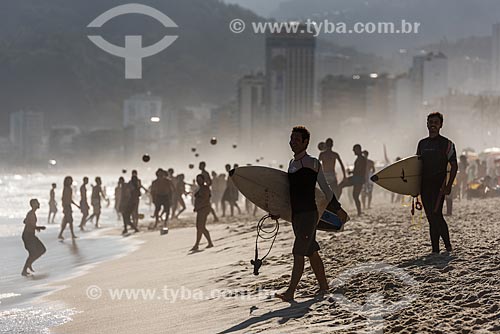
67,202
202,207
436,152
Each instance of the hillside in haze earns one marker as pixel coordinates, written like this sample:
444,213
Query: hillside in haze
48,64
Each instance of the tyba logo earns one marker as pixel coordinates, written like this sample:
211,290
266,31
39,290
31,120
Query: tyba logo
133,52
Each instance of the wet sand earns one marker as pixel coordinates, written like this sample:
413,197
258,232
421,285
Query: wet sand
382,278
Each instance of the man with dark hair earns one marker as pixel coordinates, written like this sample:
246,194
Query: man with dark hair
328,159
436,152
304,172
358,177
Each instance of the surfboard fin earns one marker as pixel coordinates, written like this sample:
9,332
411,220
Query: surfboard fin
257,263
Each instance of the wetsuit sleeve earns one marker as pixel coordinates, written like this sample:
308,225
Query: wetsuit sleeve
451,152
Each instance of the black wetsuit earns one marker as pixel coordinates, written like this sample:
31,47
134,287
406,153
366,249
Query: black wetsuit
435,154
304,210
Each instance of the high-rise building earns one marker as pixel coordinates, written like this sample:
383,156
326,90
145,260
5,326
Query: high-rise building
251,106
343,97
143,123
290,76
429,75
27,135
435,82
495,60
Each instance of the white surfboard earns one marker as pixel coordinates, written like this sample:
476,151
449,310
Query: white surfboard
268,188
402,177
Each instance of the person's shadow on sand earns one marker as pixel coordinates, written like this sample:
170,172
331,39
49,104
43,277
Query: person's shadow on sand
438,261
294,311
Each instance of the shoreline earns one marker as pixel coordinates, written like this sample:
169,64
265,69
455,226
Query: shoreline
379,255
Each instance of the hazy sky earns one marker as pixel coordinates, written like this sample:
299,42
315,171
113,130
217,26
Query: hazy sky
261,7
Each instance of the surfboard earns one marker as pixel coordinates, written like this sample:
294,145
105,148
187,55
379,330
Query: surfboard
403,177
268,188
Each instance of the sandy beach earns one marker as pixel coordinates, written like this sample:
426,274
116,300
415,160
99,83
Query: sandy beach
382,280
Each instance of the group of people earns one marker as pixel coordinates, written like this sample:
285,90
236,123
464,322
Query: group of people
67,202
360,174
305,171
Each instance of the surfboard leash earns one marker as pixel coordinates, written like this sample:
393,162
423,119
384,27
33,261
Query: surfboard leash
415,205
265,235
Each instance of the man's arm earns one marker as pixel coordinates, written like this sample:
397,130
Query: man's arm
341,165
372,167
452,159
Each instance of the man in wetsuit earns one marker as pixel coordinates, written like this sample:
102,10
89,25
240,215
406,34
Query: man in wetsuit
436,152
304,172
328,159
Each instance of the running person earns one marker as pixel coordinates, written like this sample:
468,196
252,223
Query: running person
32,244
436,152
304,172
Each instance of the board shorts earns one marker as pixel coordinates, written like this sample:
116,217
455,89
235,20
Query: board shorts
368,187
304,229
84,208
355,180
96,204
52,207
33,245
162,200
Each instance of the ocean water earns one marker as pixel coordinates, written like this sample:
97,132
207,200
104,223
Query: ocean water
20,308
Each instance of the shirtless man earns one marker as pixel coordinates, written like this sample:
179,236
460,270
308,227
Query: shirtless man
84,205
52,204
162,194
358,177
208,180
368,186
328,159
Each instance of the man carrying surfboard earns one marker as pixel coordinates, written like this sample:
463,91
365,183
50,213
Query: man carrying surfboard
304,172
436,152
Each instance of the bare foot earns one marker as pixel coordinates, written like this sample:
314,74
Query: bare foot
286,296
210,245
60,237
25,273
31,268
74,237
322,292
195,248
